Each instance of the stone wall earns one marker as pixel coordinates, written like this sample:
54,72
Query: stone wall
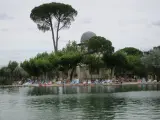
83,73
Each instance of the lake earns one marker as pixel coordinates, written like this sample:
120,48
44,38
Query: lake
133,102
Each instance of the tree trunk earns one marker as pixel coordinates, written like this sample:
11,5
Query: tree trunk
46,75
90,73
57,34
72,71
112,72
57,75
158,78
53,38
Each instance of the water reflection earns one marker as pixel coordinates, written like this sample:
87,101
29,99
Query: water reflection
137,102
90,89
73,107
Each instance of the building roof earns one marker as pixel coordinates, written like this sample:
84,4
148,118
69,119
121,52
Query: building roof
86,36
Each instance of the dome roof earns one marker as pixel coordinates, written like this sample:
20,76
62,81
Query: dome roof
87,36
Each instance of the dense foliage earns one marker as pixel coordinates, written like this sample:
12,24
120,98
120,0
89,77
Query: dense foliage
127,61
11,72
151,60
94,54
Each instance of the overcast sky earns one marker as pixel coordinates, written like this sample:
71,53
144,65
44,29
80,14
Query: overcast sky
126,23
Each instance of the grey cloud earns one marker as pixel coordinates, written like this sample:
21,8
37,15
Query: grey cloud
31,29
86,20
4,16
133,22
4,29
124,23
156,23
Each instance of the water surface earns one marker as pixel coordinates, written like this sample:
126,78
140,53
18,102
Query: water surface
135,102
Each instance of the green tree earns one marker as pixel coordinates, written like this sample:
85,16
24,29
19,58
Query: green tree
70,60
5,76
131,51
100,45
54,60
42,55
31,67
152,61
97,46
5,71
40,65
12,65
93,62
133,56
71,57
117,62
44,66
19,72
71,46
43,16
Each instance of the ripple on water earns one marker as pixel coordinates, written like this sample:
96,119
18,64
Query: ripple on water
28,104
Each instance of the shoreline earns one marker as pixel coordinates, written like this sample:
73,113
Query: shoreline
69,85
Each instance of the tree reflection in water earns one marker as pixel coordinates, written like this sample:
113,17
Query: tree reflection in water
88,89
85,102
